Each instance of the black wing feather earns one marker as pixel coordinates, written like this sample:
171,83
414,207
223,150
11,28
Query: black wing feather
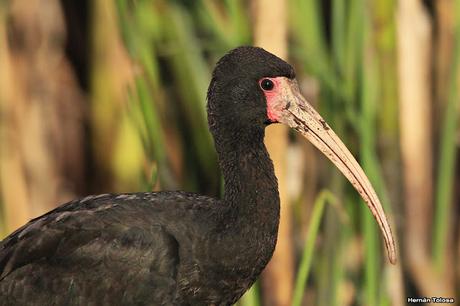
90,250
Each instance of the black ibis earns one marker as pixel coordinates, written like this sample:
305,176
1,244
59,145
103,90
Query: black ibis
181,248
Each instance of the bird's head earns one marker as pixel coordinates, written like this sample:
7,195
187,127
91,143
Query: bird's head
252,88
244,81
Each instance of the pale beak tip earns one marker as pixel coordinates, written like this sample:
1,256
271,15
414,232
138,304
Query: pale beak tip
392,256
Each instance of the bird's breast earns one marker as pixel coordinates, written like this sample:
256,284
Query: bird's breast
220,272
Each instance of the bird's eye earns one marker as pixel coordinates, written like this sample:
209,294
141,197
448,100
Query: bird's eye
267,84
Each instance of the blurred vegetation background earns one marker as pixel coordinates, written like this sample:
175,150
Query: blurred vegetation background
109,96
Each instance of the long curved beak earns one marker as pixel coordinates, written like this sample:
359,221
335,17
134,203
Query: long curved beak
296,112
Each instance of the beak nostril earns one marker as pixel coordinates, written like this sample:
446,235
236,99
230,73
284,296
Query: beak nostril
324,124
288,105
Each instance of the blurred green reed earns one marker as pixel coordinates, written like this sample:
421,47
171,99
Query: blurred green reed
306,259
447,154
164,36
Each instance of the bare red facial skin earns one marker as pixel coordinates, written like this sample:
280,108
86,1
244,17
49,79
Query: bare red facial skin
271,96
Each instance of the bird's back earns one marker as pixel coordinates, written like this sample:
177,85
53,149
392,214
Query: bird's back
101,250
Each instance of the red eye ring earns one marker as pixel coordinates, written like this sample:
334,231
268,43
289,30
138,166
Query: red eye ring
267,84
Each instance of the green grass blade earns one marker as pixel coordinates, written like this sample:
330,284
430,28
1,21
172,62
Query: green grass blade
307,255
251,297
307,28
369,96
338,34
447,157
192,75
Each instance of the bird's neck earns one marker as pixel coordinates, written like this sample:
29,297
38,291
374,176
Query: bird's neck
251,188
